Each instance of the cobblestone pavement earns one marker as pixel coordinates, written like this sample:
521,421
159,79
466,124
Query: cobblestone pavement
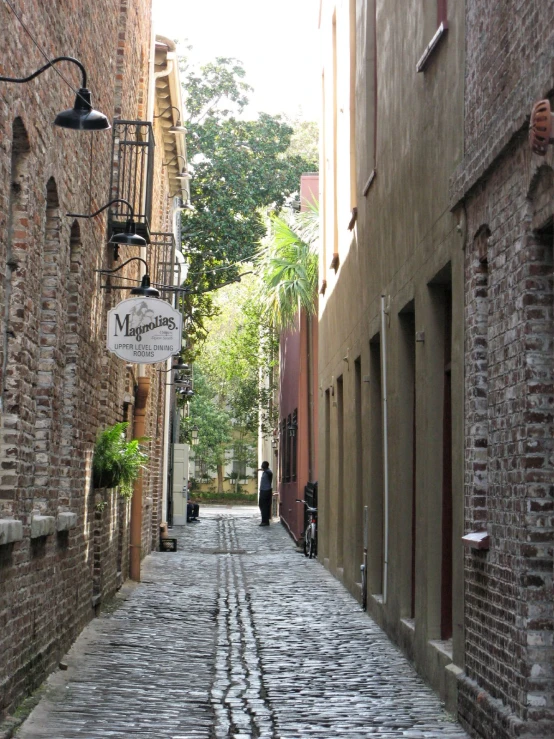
236,635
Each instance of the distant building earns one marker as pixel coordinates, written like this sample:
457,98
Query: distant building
298,401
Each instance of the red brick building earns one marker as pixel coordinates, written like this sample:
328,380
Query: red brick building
298,402
506,196
61,554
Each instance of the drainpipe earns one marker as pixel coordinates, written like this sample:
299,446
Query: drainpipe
139,424
309,359
385,447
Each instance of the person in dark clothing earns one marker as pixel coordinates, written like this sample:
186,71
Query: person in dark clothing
266,493
193,509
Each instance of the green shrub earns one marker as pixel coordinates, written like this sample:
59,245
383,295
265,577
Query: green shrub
117,462
225,498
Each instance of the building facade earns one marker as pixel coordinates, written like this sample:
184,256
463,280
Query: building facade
435,359
298,402
64,546
505,196
391,311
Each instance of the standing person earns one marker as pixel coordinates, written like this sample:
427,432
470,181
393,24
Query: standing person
266,493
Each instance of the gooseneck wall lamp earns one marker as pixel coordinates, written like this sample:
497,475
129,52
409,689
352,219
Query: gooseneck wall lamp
129,237
82,117
179,366
183,174
142,291
178,127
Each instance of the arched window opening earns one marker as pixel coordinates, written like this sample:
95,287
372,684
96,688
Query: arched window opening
12,352
47,395
71,455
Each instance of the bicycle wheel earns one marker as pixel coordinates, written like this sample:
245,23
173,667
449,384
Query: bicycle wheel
312,551
307,542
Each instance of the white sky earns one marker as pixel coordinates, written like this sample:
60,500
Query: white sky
276,41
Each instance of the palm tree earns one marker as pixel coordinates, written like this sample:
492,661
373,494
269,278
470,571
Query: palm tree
288,267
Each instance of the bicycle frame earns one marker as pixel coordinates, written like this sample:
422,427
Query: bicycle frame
310,534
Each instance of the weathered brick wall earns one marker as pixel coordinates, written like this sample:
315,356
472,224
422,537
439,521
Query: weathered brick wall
58,384
109,518
508,686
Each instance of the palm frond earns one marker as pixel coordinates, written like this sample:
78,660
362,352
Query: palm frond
288,267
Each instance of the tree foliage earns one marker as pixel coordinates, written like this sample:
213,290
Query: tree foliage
237,360
288,267
241,168
209,414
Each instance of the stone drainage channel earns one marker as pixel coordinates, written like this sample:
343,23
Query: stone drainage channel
236,635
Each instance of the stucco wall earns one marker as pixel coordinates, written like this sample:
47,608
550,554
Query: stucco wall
405,245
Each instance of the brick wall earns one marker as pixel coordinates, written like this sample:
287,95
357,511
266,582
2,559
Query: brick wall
508,194
58,384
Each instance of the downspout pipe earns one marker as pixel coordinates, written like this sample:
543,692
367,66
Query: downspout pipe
139,427
309,360
385,446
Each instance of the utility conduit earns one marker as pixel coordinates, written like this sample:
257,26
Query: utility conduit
385,447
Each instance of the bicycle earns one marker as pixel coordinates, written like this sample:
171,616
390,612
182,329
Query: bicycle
310,534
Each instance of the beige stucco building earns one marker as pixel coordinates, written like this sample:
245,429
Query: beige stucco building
391,321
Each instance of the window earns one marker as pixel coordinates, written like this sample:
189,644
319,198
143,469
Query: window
282,449
441,28
288,447
293,444
366,55
239,467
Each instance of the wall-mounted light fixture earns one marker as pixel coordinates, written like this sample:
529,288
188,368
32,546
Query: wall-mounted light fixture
81,117
194,435
183,174
179,366
177,127
129,237
143,290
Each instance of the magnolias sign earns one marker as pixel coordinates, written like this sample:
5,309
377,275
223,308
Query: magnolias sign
144,330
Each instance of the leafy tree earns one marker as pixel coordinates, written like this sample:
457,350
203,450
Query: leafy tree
240,355
240,168
237,360
305,142
213,421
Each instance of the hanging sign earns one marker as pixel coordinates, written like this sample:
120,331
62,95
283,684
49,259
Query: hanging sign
144,330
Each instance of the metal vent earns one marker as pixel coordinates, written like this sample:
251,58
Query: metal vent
540,127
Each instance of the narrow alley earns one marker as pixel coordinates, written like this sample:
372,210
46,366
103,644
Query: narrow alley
235,635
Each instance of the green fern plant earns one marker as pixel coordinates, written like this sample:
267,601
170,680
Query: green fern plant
117,462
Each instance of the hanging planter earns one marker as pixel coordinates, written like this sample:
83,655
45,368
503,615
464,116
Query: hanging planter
117,462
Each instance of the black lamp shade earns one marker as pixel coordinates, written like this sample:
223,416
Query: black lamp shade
145,291
180,365
82,117
128,237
